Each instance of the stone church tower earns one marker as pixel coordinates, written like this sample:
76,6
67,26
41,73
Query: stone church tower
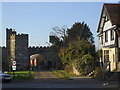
17,49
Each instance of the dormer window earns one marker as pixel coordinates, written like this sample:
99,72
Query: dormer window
106,36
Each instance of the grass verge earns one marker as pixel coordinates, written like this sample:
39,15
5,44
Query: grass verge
22,75
62,74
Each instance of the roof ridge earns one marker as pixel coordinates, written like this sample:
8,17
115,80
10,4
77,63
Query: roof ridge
111,3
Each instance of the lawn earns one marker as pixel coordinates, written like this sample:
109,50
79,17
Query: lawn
62,74
22,75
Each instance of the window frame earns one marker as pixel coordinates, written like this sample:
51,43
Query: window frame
112,34
106,55
106,36
101,39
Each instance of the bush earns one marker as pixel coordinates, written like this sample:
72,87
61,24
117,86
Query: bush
78,54
85,65
68,69
99,74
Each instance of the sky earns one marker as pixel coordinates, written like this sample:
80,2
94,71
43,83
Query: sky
38,18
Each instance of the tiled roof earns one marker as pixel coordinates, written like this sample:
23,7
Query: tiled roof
113,11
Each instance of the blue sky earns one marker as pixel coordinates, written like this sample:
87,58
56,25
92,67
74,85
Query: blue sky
38,18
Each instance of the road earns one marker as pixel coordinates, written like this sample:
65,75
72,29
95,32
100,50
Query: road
49,80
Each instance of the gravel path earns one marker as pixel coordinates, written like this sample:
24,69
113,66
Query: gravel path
44,75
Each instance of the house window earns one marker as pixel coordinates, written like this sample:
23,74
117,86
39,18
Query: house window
102,39
119,55
112,34
106,55
106,19
106,36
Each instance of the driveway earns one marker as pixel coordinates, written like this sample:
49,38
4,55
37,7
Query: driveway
44,75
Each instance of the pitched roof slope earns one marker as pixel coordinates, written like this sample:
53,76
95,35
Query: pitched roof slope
113,11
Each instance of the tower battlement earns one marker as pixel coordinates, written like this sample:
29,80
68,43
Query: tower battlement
39,47
22,34
11,30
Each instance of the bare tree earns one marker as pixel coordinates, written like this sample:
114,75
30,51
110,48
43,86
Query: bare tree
59,32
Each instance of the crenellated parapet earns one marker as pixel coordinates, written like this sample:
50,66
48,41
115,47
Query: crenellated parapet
11,31
22,35
39,47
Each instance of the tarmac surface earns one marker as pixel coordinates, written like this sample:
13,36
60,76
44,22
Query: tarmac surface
47,79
